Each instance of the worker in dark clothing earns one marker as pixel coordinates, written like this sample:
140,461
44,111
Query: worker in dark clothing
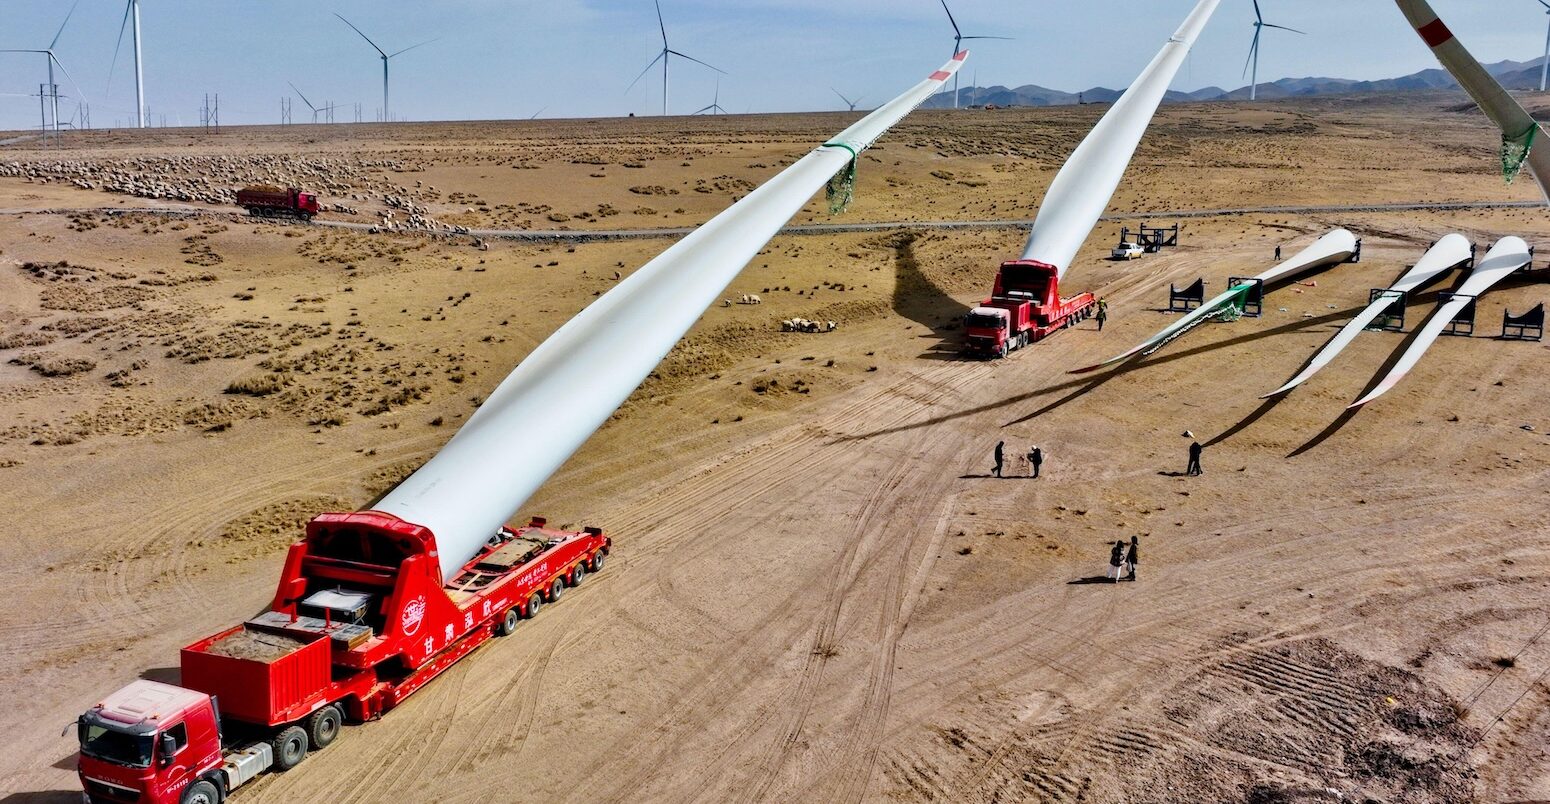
1000,456
1278,253
1132,557
1035,460
1103,313
1116,562
1194,459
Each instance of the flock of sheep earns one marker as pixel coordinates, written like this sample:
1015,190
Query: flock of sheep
788,325
214,179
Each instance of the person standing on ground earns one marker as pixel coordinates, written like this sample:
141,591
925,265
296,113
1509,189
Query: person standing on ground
1194,469
1000,457
1133,557
1035,460
1278,253
1103,313
1116,562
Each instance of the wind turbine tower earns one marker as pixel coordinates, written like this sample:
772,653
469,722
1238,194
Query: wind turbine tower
132,14
664,57
848,102
134,6
1259,27
958,39
386,116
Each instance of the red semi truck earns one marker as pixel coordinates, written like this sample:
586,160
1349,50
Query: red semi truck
274,202
361,619
1024,307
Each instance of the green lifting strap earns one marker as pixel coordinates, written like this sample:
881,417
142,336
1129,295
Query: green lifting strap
1515,151
841,189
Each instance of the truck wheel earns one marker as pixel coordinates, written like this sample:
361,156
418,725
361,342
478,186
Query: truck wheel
290,747
534,603
509,622
577,574
323,726
597,561
556,588
201,792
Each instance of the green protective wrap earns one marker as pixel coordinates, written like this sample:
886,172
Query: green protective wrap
1515,151
841,189
1233,310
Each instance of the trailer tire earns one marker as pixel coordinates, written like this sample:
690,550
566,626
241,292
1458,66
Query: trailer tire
323,726
201,792
576,574
508,623
290,747
534,603
597,561
556,588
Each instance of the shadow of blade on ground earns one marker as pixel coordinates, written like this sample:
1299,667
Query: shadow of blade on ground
1348,414
1243,424
920,300
1125,368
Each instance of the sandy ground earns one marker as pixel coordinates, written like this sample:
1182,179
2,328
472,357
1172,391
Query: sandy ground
817,593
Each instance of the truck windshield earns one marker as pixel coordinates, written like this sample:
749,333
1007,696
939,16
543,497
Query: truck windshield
112,745
983,321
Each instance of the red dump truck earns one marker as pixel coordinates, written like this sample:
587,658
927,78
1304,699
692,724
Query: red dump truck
361,619
274,202
1024,307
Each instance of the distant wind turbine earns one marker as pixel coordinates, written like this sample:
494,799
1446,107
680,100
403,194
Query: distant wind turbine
958,39
664,57
1544,69
715,105
1259,26
851,103
53,60
315,109
386,117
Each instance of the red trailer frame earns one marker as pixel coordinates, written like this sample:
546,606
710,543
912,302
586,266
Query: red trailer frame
1028,294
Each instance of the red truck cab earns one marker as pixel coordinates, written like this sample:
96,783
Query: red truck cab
148,742
1024,307
361,619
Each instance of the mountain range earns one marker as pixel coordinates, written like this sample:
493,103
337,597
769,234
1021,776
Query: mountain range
1512,74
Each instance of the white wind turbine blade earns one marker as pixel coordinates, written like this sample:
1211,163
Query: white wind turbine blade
1331,249
412,47
118,44
61,32
303,97
1508,255
379,50
697,61
569,386
68,77
1516,124
1084,186
1450,252
660,56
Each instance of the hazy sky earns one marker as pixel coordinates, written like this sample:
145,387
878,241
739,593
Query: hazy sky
571,58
